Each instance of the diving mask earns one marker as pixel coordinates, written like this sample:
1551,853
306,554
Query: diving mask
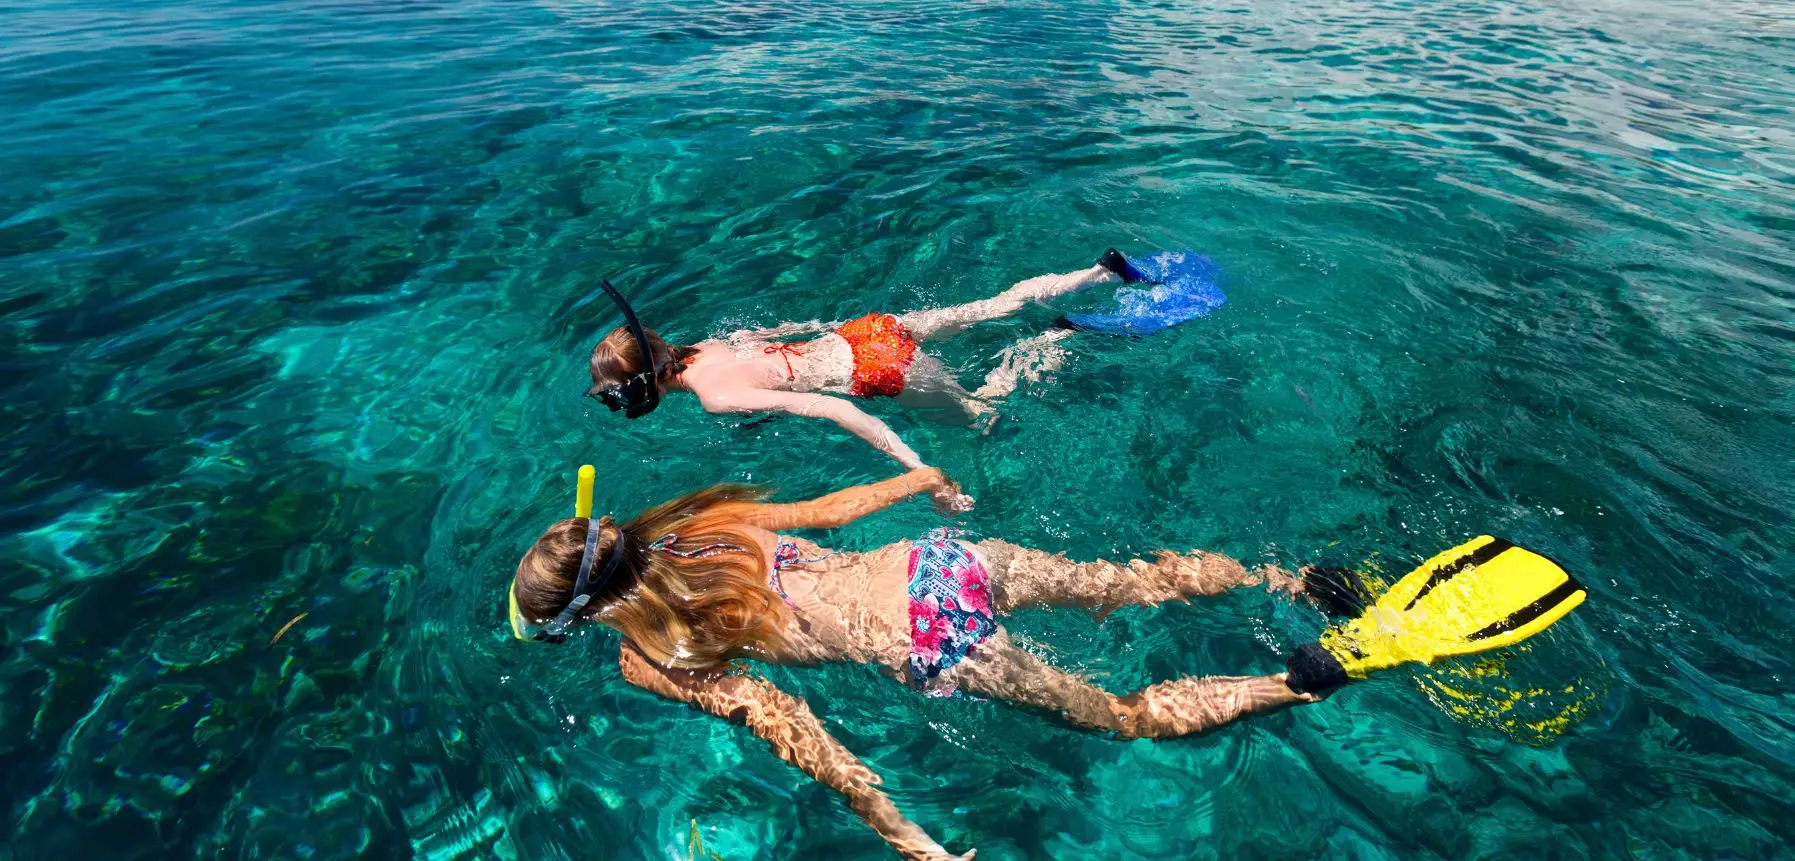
640,394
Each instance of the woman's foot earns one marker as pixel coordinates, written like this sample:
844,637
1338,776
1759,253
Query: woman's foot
986,421
1115,262
1198,573
1279,580
1029,360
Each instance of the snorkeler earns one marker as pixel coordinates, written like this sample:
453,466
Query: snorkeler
876,355
702,580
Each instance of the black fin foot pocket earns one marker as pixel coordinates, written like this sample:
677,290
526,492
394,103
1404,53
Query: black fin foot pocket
1338,591
1314,671
1115,262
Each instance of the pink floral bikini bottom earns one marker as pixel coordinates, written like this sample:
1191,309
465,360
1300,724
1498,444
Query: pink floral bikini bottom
950,605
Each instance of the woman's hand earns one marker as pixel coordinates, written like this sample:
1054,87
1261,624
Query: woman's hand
907,838
945,855
912,842
948,498
950,501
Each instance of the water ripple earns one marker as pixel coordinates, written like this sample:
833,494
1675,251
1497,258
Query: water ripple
295,297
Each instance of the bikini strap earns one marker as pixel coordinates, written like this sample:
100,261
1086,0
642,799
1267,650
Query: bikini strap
786,351
665,545
786,555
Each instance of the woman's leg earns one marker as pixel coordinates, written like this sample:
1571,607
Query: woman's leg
1025,577
931,389
998,668
1026,360
939,322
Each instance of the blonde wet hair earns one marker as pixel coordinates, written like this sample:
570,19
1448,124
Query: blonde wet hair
690,611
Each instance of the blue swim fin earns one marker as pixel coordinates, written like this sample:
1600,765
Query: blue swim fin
1181,285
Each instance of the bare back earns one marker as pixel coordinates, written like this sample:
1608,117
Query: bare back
725,366
847,607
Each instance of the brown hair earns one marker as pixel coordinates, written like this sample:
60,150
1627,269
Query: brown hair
617,357
691,612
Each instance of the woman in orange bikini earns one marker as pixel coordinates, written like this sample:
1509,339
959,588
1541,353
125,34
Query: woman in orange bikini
874,356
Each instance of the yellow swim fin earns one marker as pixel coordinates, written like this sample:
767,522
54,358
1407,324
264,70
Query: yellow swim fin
1481,595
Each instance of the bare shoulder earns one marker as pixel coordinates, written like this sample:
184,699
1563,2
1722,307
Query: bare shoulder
712,355
715,690
720,394
711,374
647,673
766,538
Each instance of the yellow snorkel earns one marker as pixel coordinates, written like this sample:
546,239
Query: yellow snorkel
582,508
582,495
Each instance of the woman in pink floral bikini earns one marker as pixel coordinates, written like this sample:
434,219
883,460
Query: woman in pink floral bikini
705,579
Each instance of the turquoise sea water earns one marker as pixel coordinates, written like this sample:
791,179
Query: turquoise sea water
295,299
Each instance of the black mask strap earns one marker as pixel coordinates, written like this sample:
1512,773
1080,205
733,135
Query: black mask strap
584,586
640,394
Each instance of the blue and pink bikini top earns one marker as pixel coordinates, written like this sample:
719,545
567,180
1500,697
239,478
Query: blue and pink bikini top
785,556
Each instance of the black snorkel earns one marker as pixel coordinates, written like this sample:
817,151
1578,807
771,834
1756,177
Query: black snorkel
640,394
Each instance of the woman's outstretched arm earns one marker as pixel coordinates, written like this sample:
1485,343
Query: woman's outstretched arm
846,506
851,418
786,723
